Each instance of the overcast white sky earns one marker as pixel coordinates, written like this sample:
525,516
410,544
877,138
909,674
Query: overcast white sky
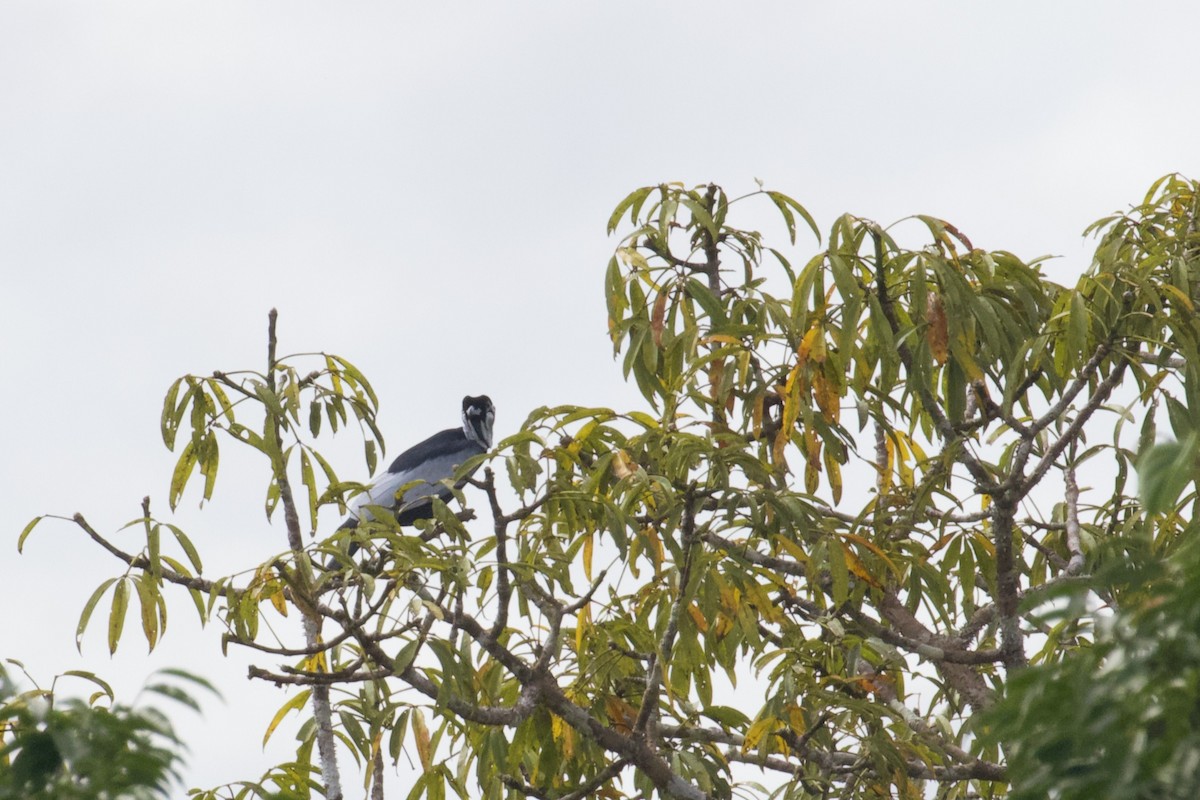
423,189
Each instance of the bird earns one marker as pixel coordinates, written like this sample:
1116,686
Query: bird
432,461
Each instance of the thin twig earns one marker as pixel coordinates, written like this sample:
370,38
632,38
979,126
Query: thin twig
1075,565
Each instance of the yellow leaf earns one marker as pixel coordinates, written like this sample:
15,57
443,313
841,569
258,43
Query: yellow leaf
826,396
779,449
805,346
867,543
581,436
812,345
756,732
421,734
315,662
656,546
937,333
793,549
812,478
565,735
583,625
834,471
903,467
723,338
1179,295
985,543
278,601
588,547
812,444
622,465
698,618
656,318
632,258
294,704
622,715
885,470
716,372
856,566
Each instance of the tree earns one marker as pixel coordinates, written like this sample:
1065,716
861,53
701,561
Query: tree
68,749
821,553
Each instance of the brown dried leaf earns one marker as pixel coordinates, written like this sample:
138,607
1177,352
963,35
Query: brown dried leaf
937,333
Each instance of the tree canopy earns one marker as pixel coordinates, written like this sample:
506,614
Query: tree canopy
64,748
874,498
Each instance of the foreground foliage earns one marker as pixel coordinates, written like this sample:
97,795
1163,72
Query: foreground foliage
70,749
1117,719
822,550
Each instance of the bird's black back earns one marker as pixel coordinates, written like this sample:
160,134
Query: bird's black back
451,439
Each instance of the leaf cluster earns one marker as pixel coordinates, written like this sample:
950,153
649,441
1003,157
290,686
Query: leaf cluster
821,550
94,749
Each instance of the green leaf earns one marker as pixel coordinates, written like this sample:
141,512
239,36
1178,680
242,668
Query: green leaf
183,471
727,717
310,483
27,530
786,206
170,423
406,656
148,603
116,617
153,543
700,214
244,434
314,418
1077,325
293,704
707,300
88,608
1180,417
633,203
371,455
839,573
1163,472
91,676
209,465
271,401
214,386
188,547
352,375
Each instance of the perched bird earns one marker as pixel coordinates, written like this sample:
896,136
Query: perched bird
431,462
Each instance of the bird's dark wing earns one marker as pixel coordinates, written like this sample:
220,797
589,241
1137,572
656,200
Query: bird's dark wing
451,439
430,462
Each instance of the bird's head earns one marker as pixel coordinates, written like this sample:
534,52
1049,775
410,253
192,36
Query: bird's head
478,414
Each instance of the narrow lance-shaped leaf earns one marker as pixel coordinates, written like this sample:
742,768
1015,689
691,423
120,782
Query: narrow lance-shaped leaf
116,617
294,703
148,598
28,529
1163,471
310,483
183,471
88,608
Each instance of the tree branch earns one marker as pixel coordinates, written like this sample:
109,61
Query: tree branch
311,621
1074,547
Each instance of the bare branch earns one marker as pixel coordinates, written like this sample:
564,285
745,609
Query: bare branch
311,622
587,789
1071,434
503,571
140,562
941,423
658,660
1075,565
